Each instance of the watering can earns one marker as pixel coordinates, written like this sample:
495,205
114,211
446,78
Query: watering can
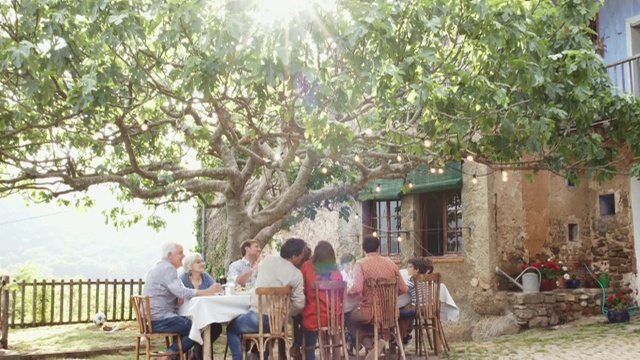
530,281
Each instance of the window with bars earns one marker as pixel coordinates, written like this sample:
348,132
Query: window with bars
384,221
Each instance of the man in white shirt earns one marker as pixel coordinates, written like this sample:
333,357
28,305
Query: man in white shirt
241,271
273,271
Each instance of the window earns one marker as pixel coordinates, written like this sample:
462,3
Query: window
573,232
607,205
440,223
385,222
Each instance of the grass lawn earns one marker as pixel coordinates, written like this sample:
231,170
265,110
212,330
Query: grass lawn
591,341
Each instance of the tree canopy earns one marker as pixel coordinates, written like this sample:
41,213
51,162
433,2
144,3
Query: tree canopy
263,112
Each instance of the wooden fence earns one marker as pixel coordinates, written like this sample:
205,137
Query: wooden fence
56,302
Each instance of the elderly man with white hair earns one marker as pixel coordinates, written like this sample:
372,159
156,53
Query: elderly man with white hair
164,288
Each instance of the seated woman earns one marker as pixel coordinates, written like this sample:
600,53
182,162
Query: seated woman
346,263
415,266
322,266
195,277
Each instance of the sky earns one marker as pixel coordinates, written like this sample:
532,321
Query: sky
64,242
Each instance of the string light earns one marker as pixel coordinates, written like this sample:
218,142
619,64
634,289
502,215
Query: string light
296,158
433,170
399,238
427,142
470,158
368,132
474,180
145,126
356,158
378,188
440,171
504,175
399,157
410,184
375,234
324,170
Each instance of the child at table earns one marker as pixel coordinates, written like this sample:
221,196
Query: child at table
415,266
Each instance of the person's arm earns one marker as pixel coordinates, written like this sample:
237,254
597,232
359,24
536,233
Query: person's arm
402,286
297,294
358,281
242,278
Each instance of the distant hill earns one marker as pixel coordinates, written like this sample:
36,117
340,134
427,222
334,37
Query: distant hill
62,242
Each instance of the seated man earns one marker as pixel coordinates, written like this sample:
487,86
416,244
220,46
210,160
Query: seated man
371,266
274,271
241,271
165,289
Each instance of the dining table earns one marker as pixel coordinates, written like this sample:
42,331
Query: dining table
206,310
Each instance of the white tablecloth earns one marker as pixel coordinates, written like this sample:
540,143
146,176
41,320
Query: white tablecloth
448,309
204,310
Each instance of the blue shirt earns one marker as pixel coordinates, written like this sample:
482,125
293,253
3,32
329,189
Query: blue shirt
207,281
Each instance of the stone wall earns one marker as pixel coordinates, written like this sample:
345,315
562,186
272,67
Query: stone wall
550,308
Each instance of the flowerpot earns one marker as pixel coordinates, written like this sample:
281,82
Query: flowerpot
617,315
572,284
604,280
561,282
547,284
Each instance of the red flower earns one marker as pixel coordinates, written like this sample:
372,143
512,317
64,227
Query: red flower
610,298
536,264
619,294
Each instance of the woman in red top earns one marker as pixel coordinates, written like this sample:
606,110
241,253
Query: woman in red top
322,266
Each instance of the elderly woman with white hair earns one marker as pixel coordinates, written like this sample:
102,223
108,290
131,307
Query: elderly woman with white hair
195,277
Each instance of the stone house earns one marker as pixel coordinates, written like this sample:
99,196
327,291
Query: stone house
470,219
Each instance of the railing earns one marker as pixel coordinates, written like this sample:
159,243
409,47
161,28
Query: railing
4,313
625,74
56,302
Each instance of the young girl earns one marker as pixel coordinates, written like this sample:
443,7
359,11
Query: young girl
415,266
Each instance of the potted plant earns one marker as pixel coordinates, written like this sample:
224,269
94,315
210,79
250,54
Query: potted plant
617,309
549,271
572,281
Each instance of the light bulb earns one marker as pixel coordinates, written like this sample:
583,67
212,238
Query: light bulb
356,158
399,157
470,158
505,178
410,184
296,158
375,234
399,238
145,126
504,173
368,132
427,142
474,180
440,171
378,188
324,170
432,170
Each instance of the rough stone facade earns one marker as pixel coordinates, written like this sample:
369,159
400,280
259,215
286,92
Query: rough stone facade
506,224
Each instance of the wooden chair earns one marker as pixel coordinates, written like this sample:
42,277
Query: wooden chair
385,312
427,287
332,335
142,307
274,302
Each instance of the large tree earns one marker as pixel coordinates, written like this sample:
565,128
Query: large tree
264,107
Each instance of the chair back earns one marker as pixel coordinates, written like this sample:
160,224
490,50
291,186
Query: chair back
385,301
332,294
275,303
427,287
142,307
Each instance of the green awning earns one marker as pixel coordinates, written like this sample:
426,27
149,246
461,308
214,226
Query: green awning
421,178
389,190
